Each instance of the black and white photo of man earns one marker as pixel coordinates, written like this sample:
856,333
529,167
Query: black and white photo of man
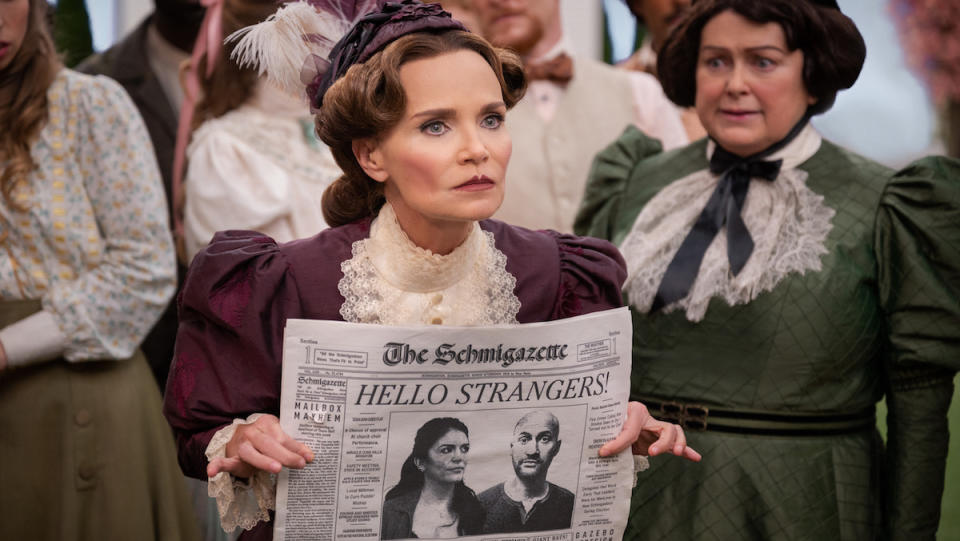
527,502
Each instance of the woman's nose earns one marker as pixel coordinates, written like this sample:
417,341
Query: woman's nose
473,149
736,81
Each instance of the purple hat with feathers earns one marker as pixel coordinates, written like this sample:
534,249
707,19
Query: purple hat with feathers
373,32
312,43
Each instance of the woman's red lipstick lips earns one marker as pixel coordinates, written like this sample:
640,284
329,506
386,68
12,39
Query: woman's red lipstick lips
737,113
477,183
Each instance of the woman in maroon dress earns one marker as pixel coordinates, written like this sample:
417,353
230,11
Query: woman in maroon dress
416,124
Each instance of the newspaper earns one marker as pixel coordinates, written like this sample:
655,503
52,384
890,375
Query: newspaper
505,414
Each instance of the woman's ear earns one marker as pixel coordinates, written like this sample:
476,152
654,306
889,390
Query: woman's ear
368,155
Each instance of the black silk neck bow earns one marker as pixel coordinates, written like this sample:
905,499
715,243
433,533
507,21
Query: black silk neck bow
722,209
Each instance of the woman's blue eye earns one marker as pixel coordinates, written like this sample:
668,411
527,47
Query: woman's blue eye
764,63
492,121
715,62
434,127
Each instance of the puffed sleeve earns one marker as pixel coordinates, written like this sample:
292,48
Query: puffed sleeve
234,305
917,242
109,308
592,272
229,184
608,179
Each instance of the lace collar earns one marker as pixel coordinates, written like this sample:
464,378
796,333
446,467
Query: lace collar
406,266
789,224
803,146
391,281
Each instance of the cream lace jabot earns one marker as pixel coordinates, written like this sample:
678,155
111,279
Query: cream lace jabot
787,220
391,281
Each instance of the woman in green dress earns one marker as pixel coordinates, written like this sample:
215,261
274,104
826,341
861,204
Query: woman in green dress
781,286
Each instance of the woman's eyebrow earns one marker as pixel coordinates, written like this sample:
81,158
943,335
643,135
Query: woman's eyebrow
494,106
748,49
436,113
443,113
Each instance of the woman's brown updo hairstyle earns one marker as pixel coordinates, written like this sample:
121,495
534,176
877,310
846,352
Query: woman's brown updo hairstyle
833,49
230,86
23,100
369,101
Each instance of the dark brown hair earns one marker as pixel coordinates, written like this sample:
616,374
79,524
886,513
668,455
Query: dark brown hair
230,86
369,100
23,99
833,49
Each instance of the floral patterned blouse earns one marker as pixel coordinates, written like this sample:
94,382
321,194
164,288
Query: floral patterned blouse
92,240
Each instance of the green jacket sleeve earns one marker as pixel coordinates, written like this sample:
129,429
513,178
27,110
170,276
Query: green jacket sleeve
609,176
917,241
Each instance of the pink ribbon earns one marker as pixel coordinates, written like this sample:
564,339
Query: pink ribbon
209,41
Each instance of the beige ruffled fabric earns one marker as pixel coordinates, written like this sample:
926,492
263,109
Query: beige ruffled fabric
789,224
391,281
240,503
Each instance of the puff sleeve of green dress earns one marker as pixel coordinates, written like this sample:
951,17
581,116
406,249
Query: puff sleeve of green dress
880,317
918,257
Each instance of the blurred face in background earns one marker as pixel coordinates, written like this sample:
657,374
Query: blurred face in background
516,24
14,16
750,89
658,16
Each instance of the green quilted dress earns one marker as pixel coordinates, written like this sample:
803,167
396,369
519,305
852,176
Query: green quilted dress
882,317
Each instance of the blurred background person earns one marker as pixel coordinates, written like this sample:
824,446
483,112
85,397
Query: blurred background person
254,160
86,268
931,35
574,106
460,10
146,63
657,17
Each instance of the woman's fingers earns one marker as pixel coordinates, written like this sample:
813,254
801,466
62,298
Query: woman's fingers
273,429
260,445
691,455
270,447
248,453
624,439
648,436
233,466
667,439
637,416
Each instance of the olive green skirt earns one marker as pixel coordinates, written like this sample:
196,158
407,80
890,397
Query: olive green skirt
85,453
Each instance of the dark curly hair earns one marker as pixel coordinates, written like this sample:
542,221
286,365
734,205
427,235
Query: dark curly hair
833,49
369,100
411,478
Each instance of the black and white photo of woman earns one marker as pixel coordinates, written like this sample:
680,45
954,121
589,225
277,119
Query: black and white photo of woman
431,499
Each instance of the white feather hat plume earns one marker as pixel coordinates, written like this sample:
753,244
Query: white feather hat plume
279,46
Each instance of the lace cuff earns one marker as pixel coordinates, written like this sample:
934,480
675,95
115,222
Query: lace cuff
640,464
241,503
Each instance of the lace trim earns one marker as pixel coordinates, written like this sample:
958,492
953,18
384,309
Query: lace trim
640,464
411,268
788,221
476,287
240,503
